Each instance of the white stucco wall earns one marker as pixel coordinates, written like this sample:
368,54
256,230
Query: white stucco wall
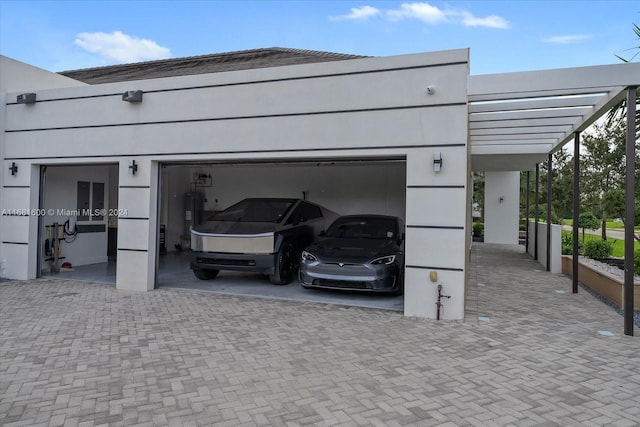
501,207
556,245
16,76
366,108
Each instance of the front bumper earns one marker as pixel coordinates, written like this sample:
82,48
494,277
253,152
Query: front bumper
260,263
355,277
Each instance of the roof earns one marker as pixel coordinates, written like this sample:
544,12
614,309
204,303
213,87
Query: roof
214,63
517,119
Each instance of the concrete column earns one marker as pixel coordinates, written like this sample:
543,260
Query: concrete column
436,233
501,207
19,224
137,225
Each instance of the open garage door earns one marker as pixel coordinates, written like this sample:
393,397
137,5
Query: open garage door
192,192
78,227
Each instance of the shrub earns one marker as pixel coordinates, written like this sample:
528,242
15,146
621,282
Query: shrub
478,229
598,249
636,262
567,244
588,220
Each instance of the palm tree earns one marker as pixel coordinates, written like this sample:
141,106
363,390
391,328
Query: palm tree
619,110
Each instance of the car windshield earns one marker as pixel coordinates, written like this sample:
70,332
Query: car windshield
363,228
255,210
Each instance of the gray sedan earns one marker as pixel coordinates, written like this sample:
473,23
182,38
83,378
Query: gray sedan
357,252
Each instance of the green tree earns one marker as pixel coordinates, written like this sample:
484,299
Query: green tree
562,184
603,167
588,220
478,191
620,110
615,202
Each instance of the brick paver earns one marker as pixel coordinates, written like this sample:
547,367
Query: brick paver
82,354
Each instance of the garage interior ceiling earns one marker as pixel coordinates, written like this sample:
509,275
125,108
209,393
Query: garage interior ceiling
517,119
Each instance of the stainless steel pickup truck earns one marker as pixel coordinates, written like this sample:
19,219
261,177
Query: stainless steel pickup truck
265,235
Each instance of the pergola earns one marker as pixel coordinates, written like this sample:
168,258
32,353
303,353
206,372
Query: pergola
518,120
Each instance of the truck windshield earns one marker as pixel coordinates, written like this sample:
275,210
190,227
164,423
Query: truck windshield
255,210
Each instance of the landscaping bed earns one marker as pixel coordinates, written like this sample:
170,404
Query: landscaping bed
606,279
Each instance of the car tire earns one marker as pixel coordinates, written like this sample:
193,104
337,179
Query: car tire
285,262
206,274
400,291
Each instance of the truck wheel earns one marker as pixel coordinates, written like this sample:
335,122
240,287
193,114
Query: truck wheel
205,274
284,265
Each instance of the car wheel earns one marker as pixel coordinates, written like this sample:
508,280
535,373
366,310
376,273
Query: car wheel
400,290
285,261
205,274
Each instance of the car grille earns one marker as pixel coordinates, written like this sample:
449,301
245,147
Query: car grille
342,284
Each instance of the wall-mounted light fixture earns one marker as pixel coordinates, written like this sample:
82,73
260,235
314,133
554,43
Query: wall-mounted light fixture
437,161
133,96
13,168
134,167
26,98
501,199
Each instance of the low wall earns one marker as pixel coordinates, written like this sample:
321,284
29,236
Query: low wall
602,283
556,245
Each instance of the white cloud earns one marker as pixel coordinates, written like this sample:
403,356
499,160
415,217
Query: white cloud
121,48
358,13
491,21
428,14
421,11
568,39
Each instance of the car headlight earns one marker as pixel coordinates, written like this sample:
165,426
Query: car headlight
308,256
383,260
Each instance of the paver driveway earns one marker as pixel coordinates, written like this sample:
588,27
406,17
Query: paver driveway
86,354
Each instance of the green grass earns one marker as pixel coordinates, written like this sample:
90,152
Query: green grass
617,244
610,225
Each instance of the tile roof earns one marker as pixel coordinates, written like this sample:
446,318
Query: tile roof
213,63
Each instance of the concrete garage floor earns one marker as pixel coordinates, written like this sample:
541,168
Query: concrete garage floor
174,273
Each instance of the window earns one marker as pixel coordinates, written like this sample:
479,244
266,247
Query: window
90,201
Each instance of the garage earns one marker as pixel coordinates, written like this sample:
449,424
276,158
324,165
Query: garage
190,192
76,222
381,135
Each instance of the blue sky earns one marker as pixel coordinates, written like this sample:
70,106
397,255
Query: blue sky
503,36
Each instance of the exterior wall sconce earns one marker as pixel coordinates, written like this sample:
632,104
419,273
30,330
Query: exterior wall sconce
437,161
133,96
26,98
501,199
133,167
13,168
